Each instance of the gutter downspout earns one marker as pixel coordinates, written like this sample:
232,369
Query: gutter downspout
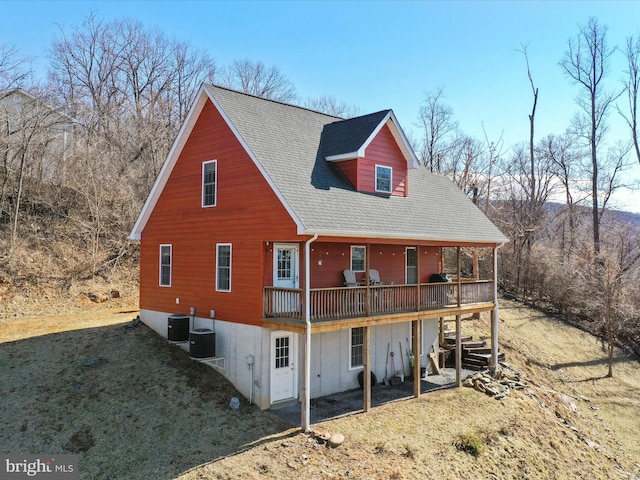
495,316
306,388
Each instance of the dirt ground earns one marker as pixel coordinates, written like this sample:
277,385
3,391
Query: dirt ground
135,407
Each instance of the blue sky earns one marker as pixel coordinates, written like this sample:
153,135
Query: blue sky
378,54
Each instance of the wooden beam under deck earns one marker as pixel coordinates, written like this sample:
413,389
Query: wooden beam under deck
298,326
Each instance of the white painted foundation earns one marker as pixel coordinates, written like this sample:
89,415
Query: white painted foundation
330,372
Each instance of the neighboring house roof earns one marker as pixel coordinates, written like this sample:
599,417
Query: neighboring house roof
290,144
6,95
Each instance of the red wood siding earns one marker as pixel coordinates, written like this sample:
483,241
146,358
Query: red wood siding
429,258
350,169
383,150
389,260
247,215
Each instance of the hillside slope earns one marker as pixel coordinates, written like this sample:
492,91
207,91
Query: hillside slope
570,423
135,407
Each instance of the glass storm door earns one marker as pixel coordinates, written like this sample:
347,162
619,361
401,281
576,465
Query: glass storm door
411,258
285,266
285,276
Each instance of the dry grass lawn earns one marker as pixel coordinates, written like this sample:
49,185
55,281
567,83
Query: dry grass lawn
134,407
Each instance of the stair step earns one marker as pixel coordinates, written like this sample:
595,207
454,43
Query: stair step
474,344
452,340
467,351
484,356
475,361
473,367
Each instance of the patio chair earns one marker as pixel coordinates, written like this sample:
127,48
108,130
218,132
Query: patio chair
349,278
374,277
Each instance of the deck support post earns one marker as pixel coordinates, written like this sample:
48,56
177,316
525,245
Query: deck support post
366,379
418,299
459,325
367,307
415,325
458,351
494,315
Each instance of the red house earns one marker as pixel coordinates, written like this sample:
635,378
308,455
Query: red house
307,243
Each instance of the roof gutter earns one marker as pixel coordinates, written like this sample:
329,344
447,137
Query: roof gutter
403,236
306,388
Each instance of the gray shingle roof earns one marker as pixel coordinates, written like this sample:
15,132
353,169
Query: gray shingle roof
285,140
347,136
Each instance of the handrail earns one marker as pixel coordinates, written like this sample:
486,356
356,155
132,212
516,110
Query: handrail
349,302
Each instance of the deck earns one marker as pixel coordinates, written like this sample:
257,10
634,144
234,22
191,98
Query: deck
334,308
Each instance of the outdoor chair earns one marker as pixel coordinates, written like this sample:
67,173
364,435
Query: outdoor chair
374,277
349,278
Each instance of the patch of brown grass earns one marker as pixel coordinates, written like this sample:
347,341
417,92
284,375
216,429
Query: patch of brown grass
145,411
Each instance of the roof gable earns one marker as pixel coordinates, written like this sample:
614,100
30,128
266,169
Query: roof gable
348,139
287,144
203,96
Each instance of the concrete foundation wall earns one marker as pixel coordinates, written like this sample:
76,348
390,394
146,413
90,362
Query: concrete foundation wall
240,344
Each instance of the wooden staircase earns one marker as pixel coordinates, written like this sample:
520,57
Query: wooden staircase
476,355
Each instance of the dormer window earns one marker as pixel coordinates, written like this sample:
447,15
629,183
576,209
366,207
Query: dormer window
383,179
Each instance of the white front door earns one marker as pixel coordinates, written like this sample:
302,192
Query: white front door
285,275
283,372
285,265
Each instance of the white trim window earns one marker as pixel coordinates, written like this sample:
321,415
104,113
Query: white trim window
209,183
358,258
223,267
384,175
356,347
165,265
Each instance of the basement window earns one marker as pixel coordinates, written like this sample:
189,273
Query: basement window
357,347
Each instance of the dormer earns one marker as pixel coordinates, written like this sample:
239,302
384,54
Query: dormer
372,151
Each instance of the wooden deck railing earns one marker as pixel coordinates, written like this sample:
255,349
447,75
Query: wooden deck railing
349,302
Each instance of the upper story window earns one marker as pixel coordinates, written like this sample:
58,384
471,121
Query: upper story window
223,263
358,254
209,183
383,178
165,265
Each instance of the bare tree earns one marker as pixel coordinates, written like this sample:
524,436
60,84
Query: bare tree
524,225
561,152
29,131
14,69
494,153
532,178
130,88
632,85
440,130
464,163
257,79
586,62
331,106
621,258
190,68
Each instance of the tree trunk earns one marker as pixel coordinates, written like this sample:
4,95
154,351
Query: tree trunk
14,231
